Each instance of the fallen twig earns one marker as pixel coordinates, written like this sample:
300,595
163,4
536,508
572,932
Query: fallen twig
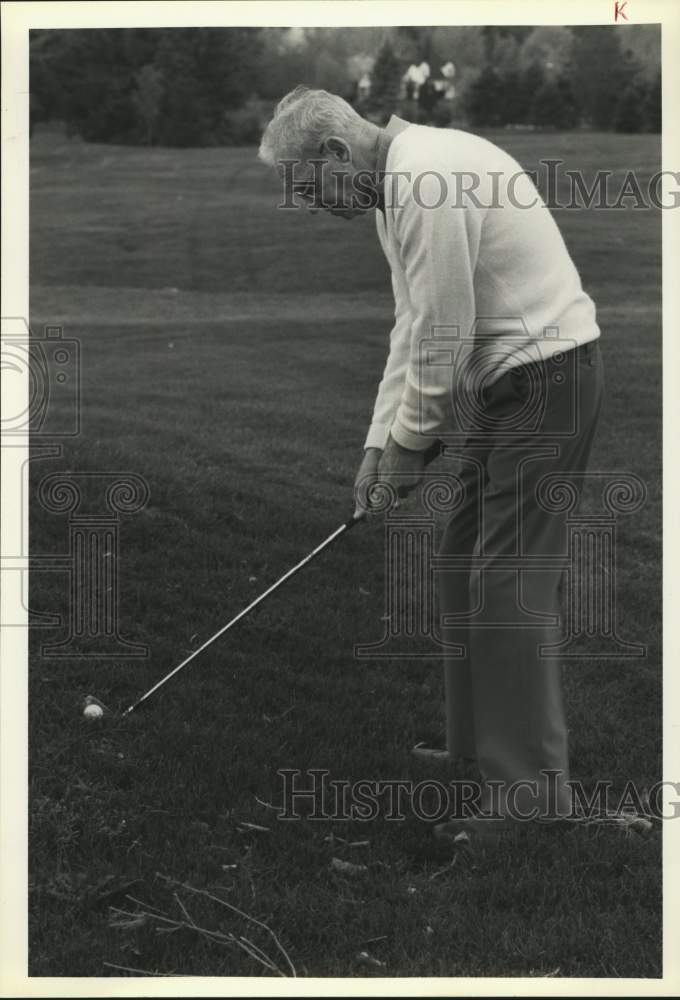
136,972
347,867
448,868
267,805
234,909
184,910
258,953
147,906
131,920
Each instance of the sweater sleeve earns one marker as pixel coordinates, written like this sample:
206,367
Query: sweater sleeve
438,248
392,385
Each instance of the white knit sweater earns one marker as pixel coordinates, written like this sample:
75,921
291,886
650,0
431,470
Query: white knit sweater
480,283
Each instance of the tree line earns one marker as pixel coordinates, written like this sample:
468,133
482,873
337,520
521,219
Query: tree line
166,86
216,86
598,83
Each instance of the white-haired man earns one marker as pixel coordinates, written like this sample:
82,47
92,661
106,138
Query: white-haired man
494,351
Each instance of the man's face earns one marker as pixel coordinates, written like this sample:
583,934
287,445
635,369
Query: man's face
326,187
330,181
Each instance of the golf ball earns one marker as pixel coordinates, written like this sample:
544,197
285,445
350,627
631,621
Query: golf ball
93,711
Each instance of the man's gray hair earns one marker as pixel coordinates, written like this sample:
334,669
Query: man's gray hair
303,119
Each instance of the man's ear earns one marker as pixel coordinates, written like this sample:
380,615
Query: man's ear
337,148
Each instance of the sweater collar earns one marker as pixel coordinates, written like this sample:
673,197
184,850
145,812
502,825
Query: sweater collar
394,126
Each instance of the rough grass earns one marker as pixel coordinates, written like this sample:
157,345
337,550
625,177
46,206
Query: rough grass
230,355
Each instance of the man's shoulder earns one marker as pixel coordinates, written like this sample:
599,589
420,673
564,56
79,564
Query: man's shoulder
427,148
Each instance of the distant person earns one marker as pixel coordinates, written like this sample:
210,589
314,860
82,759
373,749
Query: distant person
477,260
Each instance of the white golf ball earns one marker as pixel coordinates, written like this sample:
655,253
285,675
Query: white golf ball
93,711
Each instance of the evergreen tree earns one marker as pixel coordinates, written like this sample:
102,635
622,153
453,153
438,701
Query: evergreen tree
570,111
45,89
206,72
631,109
548,44
184,118
598,73
414,44
552,108
532,80
147,99
385,81
485,100
94,70
109,84
514,105
653,104
226,62
330,73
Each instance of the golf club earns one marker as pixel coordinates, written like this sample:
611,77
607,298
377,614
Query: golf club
358,515
258,600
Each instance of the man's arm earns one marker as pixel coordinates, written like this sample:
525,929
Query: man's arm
391,386
438,249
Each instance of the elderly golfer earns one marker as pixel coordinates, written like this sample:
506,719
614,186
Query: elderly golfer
514,391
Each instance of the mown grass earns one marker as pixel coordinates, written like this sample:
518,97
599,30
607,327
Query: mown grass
230,355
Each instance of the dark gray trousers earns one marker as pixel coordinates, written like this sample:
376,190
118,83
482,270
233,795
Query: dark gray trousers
503,700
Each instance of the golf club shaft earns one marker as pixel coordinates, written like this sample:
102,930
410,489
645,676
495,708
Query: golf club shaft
432,452
258,600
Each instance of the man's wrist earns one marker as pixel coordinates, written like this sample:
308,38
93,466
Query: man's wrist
408,440
400,447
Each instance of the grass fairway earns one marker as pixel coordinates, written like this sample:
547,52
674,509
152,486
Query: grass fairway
230,356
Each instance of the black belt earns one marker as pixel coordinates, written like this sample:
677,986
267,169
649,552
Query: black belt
558,357
581,350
